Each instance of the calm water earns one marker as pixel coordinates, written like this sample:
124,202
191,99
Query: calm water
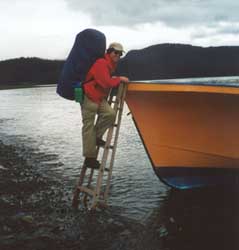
41,120
50,127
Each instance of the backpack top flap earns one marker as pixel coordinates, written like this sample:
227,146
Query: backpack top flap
89,45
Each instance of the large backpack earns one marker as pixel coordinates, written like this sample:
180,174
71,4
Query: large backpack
89,45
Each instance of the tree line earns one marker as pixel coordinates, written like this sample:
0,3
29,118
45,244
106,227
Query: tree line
30,70
166,61
162,61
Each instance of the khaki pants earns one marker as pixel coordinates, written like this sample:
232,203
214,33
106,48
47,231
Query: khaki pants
90,130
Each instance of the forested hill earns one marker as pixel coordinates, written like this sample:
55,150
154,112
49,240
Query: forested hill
160,61
178,61
30,70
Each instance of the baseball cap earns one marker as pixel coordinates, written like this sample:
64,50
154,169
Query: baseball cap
116,46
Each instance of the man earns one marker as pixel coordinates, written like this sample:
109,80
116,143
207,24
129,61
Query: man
98,83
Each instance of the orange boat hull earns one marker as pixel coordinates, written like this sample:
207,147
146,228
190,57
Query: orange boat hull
187,130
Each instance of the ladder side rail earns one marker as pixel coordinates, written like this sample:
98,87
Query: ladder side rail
106,150
83,173
92,170
102,167
77,191
90,178
80,183
88,185
115,142
88,190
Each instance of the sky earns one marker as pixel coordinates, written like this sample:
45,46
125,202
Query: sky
47,28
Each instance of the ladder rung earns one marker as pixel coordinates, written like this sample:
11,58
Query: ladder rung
86,190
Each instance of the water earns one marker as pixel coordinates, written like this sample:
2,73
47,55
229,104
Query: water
232,81
39,119
48,128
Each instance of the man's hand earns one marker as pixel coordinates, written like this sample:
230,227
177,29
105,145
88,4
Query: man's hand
124,79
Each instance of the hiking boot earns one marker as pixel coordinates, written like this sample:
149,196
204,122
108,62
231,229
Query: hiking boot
100,142
91,163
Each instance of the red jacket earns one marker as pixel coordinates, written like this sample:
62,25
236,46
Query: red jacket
100,73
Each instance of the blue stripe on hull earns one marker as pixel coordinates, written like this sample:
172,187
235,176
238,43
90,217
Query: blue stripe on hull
187,178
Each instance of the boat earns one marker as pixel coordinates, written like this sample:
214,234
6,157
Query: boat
189,130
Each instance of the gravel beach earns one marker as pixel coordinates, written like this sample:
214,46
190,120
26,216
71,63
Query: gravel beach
36,213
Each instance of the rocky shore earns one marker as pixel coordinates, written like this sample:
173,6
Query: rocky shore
36,213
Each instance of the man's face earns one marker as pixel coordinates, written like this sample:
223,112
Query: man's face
115,55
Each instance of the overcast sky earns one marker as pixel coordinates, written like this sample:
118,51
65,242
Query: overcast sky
47,28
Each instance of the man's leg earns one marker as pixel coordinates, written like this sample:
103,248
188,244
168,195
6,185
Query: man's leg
89,110
106,117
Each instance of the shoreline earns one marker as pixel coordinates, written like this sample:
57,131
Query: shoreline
36,213
24,85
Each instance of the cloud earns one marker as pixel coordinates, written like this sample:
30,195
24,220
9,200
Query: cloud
229,28
48,28
222,28
45,29
173,13
198,22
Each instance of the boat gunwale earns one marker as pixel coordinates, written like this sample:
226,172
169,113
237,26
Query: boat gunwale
181,87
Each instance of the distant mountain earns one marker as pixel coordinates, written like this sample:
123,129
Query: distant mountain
166,61
30,70
160,61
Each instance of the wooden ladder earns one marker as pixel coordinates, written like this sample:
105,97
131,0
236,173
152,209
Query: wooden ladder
85,193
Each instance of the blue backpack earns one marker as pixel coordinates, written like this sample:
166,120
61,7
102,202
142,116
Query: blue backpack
89,45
